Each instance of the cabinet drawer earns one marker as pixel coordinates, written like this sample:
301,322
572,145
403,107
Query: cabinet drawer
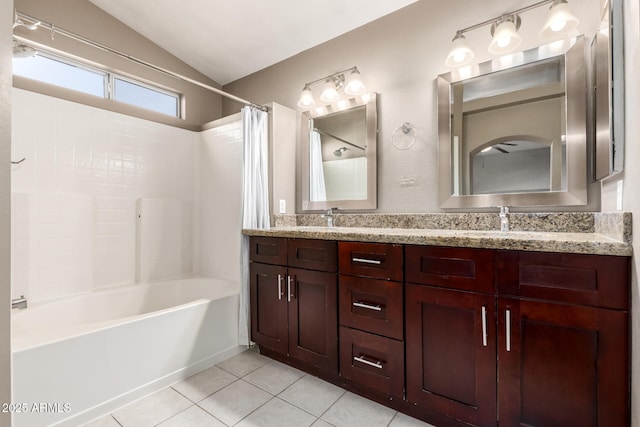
313,254
457,268
268,250
595,280
372,361
371,305
377,260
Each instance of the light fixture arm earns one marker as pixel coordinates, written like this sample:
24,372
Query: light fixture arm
515,12
339,75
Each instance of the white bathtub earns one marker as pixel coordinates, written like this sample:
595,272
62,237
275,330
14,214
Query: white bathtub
85,356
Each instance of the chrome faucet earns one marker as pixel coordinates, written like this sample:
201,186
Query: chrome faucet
19,303
329,215
504,218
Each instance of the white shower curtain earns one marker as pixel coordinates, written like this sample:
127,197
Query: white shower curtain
317,190
255,201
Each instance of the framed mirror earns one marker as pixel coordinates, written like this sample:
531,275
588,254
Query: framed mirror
339,167
512,131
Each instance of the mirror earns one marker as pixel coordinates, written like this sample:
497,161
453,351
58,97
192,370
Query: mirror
512,132
608,105
339,156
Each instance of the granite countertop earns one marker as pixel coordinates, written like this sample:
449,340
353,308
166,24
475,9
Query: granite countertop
585,242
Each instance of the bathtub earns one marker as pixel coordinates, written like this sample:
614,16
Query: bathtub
78,358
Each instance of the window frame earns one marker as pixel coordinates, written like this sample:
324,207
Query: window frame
109,78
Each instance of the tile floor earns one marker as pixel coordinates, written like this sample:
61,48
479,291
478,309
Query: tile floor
250,390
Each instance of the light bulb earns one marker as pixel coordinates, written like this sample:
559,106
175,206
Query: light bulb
306,98
354,85
329,92
557,24
560,21
460,53
505,35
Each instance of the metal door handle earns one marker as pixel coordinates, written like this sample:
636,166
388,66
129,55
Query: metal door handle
366,261
377,364
484,326
280,287
291,281
375,307
507,320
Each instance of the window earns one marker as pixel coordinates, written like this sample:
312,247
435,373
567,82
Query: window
61,72
69,74
144,96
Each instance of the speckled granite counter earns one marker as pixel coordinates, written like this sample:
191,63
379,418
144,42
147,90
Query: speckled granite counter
607,234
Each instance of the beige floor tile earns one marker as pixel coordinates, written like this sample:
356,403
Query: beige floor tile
244,363
192,417
354,411
204,383
152,409
107,421
274,377
312,394
402,420
235,401
277,413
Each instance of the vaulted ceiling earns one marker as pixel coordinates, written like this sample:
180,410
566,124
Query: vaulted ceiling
227,40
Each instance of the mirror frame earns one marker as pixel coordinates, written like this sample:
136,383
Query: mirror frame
576,131
371,118
608,103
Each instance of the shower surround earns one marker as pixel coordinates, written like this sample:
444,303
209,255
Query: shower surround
74,197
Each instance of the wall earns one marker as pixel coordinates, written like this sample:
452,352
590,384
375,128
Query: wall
220,198
74,213
399,57
625,185
85,19
6,12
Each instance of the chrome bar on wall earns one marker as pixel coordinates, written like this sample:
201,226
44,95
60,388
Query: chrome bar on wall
57,30
336,137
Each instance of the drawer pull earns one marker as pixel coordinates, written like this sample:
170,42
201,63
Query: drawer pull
280,293
367,261
507,320
484,326
361,359
367,306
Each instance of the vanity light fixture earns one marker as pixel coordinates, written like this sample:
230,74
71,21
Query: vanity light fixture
504,31
351,85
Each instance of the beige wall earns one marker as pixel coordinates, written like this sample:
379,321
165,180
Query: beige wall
629,181
6,10
83,18
399,57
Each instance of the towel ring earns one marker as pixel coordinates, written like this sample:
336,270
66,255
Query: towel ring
404,136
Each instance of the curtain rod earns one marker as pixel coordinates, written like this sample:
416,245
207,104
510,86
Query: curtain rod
338,138
57,30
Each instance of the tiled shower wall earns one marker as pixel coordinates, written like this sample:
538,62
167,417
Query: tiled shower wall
74,197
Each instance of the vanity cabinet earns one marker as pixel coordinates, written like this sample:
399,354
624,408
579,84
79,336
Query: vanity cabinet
454,336
519,338
563,339
450,312
371,317
293,289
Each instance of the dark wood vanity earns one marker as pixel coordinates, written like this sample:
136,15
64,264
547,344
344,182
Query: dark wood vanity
453,336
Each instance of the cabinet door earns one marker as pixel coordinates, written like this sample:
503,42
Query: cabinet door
451,353
313,317
268,306
562,365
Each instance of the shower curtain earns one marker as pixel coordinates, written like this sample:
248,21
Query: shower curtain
255,201
317,190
